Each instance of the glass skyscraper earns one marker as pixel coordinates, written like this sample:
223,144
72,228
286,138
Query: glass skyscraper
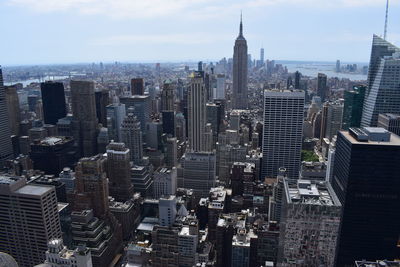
383,92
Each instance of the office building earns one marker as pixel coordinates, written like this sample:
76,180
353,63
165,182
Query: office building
119,172
197,99
309,224
52,154
102,140
188,239
116,113
141,105
199,172
25,227
165,251
282,132
365,179
137,86
171,152
353,106
297,79
102,101
220,89
85,119
13,110
331,120
322,89
154,134
168,96
53,97
6,149
239,74
131,136
383,92
390,122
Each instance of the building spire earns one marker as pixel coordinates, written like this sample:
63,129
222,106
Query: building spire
241,25
386,19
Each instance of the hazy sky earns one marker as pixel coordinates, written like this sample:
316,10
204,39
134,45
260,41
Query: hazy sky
68,31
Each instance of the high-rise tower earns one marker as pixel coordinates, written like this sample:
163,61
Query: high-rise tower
6,150
131,135
53,98
282,132
383,92
85,118
119,172
196,112
365,179
240,71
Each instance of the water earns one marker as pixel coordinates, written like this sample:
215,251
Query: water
46,78
313,68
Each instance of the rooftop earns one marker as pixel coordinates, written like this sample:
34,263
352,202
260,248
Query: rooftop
310,192
36,190
371,136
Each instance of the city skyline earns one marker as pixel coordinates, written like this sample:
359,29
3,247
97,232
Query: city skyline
108,31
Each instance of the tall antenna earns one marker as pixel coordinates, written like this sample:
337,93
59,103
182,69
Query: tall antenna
386,19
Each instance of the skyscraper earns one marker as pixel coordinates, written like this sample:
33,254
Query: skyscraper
196,112
297,78
131,135
6,149
168,108
282,132
365,179
102,101
353,106
29,219
262,56
322,89
137,86
116,113
85,119
383,92
119,172
239,74
390,122
53,98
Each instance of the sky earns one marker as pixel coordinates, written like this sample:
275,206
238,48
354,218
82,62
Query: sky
75,31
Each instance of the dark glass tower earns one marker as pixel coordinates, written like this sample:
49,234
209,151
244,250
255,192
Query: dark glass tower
53,98
366,180
353,105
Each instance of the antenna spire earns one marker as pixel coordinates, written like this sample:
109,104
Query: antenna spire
241,25
386,19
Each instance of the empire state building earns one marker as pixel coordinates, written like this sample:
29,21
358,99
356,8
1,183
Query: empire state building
239,98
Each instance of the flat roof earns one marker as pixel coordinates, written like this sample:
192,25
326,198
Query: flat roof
394,140
36,190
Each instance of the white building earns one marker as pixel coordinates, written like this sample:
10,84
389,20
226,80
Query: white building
282,132
59,256
167,210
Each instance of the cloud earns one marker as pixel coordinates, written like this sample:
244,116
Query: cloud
139,9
